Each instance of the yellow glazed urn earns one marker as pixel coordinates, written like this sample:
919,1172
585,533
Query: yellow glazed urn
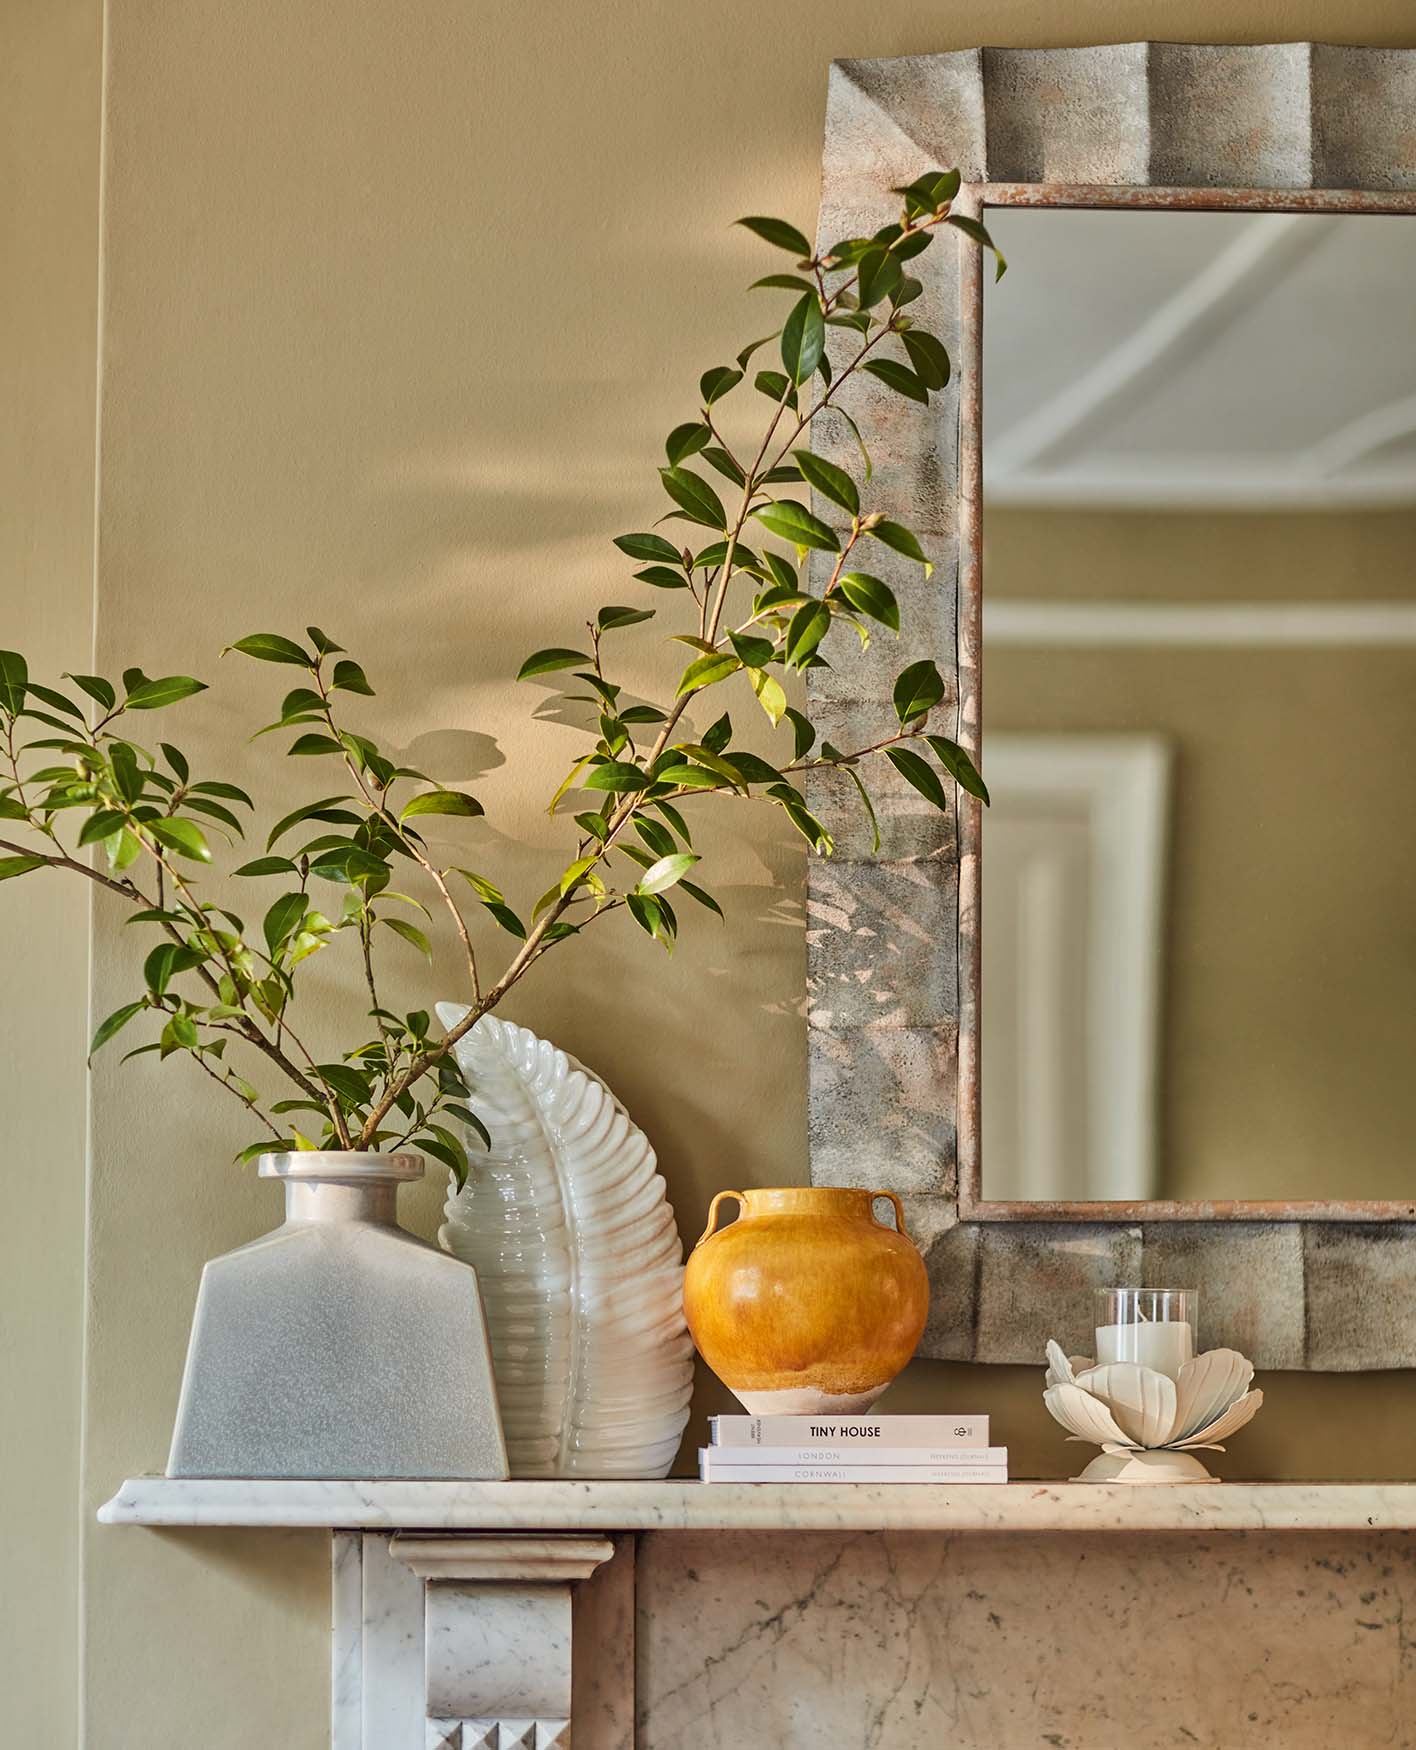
806,1305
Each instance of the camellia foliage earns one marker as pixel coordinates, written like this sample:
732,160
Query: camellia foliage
77,778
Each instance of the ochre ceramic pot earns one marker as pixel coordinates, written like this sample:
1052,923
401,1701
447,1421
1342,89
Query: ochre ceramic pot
806,1305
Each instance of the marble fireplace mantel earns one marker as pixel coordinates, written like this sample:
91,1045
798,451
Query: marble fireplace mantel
456,1605
689,1506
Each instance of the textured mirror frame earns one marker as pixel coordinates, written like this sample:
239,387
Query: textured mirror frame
893,939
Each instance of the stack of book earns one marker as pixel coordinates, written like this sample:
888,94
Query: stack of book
851,1449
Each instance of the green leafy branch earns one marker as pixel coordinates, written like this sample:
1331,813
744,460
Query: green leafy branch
757,618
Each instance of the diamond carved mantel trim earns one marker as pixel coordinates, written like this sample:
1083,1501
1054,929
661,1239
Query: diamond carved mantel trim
893,974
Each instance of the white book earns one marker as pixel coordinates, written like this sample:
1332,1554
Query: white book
718,1470
768,1457
868,1432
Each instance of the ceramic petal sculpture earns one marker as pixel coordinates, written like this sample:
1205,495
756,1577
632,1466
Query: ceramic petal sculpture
579,1261
1148,1425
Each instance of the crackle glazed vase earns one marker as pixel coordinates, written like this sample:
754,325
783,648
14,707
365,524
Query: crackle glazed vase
581,1267
338,1345
806,1304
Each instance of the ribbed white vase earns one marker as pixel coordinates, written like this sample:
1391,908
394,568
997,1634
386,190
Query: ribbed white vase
578,1259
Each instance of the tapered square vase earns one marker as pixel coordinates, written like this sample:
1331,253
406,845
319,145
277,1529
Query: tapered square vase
338,1345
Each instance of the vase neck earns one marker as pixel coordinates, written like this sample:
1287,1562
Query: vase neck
322,1200
328,1186
840,1203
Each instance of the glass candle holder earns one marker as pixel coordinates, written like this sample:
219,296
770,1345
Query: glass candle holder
1153,1327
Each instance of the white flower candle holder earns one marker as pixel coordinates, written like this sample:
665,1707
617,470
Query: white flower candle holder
1148,1400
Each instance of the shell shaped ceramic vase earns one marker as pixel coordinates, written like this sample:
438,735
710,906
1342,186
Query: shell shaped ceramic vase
806,1304
579,1262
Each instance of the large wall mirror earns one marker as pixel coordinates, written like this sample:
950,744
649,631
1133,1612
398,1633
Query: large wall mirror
1199,648
1150,1017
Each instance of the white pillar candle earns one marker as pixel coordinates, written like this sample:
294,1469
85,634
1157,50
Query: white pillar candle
1165,1345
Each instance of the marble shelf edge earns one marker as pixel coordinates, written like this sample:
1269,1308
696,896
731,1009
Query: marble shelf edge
690,1506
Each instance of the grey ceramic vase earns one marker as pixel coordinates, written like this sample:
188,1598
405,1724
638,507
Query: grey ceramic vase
338,1345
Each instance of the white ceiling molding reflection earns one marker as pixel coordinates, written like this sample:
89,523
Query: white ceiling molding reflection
1278,625
1230,297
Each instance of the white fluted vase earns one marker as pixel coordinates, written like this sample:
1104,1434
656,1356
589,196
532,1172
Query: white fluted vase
579,1261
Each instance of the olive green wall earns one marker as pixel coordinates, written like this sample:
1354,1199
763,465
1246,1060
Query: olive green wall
49,130
398,303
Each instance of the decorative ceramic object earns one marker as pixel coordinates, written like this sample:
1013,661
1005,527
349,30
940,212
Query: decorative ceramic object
1147,1424
338,1345
579,1260
806,1304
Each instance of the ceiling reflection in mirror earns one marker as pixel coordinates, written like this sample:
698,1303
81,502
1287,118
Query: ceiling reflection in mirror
1199,869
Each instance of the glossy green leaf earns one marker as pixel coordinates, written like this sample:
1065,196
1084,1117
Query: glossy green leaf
803,731
609,619
972,228
165,962
153,695
617,775
786,282
919,773
918,690
101,824
10,867
441,802
180,836
214,787
350,678
114,1024
959,766
694,496
776,387
716,383
829,480
869,595
98,689
283,919
646,546
928,357
706,670
661,577
667,871
271,647
770,694
901,540
322,641
548,661
349,1085
803,338
352,867
685,440
752,652
309,745
808,627
411,934
780,233
795,523
267,866
898,377
878,273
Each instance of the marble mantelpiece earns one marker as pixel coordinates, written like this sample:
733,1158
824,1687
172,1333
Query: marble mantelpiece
691,1506
679,1616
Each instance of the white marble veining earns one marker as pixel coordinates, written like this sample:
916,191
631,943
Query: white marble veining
346,1650
889,1641
394,1711
692,1506
497,1650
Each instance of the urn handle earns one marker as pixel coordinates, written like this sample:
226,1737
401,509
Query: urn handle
713,1214
900,1227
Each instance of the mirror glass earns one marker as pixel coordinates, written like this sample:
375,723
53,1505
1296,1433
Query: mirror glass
1199,707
